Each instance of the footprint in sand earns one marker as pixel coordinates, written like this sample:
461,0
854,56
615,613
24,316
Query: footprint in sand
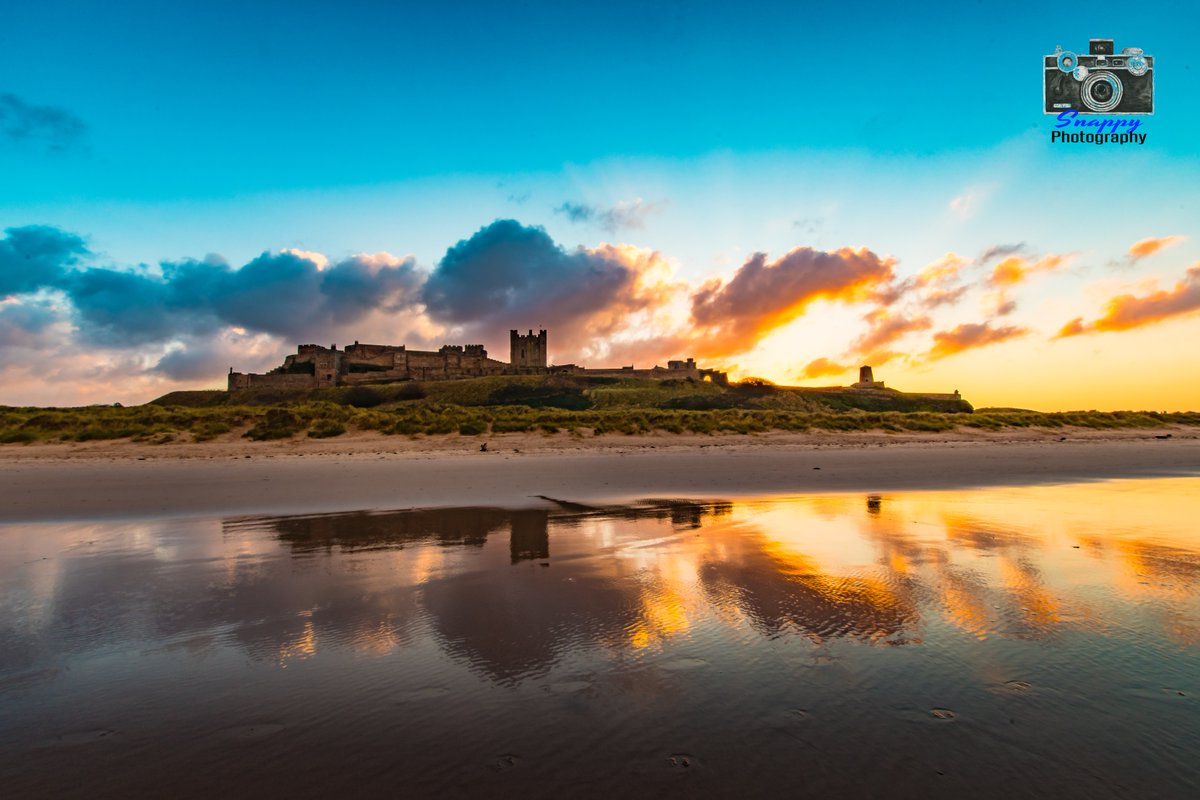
569,687
248,733
503,763
423,693
76,738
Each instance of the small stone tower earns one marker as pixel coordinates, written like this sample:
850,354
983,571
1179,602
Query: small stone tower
866,379
529,350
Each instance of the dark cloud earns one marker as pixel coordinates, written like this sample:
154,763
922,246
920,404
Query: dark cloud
969,336
1001,251
628,214
734,315
35,256
287,294
44,127
509,276
1128,311
576,212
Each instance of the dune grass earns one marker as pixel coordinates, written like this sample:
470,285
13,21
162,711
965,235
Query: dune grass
613,414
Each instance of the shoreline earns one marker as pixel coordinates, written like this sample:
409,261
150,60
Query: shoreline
115,480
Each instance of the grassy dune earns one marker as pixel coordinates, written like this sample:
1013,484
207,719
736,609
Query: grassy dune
506,404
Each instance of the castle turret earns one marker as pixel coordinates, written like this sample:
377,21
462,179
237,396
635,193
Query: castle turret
527,350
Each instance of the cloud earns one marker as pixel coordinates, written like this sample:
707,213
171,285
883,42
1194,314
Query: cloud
823,367
286,294
1003,306
508,275
809,225
732,316
886,327
1129,311
290,293
1001,250
29,324
1073,328
969,336
625,214
964,205
935,285
200,358
35,256
47,128
1148,247
1014,270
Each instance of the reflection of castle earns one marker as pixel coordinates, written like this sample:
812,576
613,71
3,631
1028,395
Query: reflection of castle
313,366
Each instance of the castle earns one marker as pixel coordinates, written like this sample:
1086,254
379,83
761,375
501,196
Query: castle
313,366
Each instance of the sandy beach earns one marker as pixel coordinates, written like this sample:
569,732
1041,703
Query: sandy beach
106,480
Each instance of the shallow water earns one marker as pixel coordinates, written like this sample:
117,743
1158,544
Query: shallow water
1038,641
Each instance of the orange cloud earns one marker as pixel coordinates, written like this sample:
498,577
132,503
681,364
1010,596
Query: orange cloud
885,328
969,336
1148,247
1016,269
731,317
823,367
1128,311
942,271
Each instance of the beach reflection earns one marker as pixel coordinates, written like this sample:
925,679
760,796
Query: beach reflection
637,604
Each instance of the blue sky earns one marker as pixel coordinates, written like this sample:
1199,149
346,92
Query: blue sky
705,131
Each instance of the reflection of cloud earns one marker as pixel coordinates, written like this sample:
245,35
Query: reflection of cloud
617,580
781,591
1128,311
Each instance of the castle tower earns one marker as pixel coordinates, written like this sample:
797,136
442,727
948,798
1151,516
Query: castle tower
864,375
527,350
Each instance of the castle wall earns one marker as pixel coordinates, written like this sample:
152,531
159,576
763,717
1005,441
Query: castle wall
240,380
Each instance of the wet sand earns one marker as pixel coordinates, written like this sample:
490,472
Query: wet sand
113,480
1039,642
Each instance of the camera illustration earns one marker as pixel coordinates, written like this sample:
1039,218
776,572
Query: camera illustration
1100,82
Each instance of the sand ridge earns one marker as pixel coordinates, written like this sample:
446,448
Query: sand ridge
122,479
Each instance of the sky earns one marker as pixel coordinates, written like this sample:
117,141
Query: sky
785,190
